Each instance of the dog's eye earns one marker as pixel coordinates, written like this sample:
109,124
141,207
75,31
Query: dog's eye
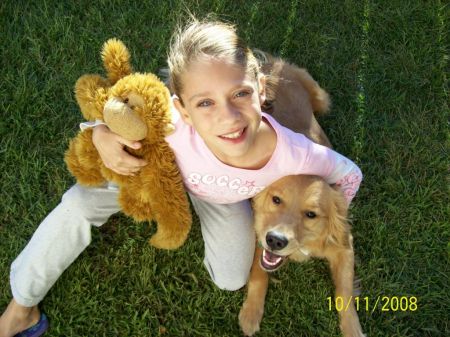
126,100
310,215
276,200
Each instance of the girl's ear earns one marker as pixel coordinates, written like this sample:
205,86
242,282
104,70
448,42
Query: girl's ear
262,88
182,110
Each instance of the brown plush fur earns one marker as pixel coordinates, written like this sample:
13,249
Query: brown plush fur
156,192
292,98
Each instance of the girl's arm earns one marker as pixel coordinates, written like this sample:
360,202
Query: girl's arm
334,168
110,147
348,176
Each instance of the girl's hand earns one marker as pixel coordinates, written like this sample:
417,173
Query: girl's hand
110,147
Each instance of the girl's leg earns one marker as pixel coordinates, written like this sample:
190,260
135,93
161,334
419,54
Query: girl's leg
56,243
229,237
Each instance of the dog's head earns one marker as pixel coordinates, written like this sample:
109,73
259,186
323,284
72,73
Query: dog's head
299,213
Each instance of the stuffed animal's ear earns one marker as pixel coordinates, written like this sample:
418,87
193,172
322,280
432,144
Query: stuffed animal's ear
90,93
116,60
338,226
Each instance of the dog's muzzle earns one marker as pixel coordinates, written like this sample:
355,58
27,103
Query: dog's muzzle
276,241
271,261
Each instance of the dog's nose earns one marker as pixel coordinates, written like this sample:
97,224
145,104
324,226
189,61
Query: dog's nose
276,241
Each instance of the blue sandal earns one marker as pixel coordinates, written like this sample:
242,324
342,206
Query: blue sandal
36,330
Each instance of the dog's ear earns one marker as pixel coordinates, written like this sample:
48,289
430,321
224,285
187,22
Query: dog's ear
338,226
259,199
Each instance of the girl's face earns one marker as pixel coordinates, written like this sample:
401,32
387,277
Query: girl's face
223,104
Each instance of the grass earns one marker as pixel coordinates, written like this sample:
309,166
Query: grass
385,65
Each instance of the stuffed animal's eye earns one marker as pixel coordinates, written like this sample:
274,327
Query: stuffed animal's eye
310,215
276,200
126,100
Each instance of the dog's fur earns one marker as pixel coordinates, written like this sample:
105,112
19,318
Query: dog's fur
303,213
293,96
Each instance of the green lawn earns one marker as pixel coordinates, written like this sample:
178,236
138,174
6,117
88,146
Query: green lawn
384,64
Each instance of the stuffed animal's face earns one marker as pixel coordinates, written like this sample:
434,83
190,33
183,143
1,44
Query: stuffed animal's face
138,108
134,105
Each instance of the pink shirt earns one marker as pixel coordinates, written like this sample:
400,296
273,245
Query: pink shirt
209,179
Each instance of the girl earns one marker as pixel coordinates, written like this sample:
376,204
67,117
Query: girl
227,150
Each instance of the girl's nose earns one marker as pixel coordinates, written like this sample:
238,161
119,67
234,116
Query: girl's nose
229,112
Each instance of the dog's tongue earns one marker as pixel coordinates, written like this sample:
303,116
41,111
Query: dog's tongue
271,257
271,261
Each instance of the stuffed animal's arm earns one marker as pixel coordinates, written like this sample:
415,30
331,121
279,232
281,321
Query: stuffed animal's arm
82,160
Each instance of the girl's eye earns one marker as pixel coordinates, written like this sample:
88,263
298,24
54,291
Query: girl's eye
242,94
203,104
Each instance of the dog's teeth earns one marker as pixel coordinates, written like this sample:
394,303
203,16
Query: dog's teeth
269,261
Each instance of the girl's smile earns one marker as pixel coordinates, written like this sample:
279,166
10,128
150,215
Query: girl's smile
235,137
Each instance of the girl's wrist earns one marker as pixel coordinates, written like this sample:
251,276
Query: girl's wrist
98,132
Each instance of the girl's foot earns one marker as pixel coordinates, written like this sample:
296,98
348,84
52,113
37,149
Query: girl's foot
17,318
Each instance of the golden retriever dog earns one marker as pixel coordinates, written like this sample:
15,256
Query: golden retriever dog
299,217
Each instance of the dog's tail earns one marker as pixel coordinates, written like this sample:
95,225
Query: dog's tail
274,70
320,100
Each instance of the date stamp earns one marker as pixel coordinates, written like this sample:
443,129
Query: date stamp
382,303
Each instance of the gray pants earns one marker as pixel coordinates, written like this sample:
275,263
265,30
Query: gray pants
227,232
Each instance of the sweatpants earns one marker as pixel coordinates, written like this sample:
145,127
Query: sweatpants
227,232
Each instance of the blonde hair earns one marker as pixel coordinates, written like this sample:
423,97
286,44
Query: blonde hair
207,38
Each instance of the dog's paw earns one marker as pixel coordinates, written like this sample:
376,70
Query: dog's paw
352,328
355,333
250,317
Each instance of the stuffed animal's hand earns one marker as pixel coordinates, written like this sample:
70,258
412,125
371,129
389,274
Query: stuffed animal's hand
110,147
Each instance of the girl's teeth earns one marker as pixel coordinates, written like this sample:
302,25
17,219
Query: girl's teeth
233,135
